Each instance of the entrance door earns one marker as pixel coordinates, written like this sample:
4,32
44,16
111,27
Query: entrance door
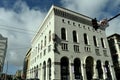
64,68
89,67
77,69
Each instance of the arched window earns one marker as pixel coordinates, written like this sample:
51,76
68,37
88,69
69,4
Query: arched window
45,41
99,69
49,69
63,33
40,71
103,43
77,69
49,36
64,68
95,40
85,39
109,77
74,36
44,70
41,44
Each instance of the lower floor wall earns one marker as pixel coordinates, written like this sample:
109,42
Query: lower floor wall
67,70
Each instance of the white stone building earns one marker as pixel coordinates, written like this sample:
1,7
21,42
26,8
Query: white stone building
66,47
3,49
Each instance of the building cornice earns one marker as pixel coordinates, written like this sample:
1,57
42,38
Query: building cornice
113,35
66,13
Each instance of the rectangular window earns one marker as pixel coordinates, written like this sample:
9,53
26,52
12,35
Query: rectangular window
87,49
64,46
105,52
97,52
76,48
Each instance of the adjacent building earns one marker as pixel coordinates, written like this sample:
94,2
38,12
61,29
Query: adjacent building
3,49
114,44
26,68
67,47
18,74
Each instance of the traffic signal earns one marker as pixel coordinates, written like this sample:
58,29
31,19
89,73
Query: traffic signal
95,24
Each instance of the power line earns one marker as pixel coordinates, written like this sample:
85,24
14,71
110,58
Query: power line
17,31
17,28
18,48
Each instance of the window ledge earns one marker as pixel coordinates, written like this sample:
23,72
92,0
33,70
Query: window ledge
76,43
64,40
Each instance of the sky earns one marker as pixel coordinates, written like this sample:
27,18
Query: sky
20,19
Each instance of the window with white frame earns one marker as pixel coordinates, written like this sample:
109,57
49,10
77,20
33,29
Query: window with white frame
76,48
64,46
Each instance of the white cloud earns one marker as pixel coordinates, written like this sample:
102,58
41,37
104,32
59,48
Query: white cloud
114,27
90,8
18,40
99,9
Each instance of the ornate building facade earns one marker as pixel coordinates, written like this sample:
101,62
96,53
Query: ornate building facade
67,47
